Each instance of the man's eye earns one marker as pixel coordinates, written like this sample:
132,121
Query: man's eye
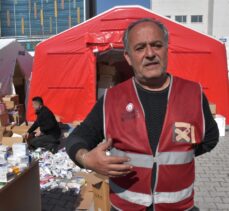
158,45
139,48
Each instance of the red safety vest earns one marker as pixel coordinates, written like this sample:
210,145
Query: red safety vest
124,122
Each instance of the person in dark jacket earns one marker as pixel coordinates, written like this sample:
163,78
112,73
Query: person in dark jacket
49,134
112,124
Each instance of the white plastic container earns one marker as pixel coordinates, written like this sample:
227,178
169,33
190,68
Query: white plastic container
221,123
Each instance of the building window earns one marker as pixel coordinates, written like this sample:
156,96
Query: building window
197,18
181,18
168,16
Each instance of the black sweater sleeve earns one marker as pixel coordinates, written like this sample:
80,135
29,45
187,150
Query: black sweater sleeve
211,137
88,134
33,127
48,121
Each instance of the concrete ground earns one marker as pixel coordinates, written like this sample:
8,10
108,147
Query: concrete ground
212,178
212,183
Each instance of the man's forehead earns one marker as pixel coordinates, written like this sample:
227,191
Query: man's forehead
146,32
145,25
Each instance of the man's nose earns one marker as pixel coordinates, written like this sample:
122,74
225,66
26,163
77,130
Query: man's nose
149,52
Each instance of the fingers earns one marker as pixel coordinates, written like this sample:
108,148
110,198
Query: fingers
118,173
120,167
119,170
117,159
106,145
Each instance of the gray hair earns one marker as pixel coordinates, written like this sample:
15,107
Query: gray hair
143,20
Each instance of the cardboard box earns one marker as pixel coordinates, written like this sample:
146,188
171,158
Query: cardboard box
100,186
84,200
2,108
2,131
212,108
106,78
10,105
10,101
13,98
4,119
9,141
7,133
105,84
107,69
20,129
9,127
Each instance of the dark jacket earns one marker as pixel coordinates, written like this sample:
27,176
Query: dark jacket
47,123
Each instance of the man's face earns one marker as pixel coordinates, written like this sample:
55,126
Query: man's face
36,105
147,52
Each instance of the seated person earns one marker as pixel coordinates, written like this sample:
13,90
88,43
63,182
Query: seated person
50,132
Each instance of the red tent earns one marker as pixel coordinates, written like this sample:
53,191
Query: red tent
65,74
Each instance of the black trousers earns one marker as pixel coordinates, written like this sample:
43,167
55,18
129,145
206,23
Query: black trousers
48,142
151,209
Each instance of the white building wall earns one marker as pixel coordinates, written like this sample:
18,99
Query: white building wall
184,7
221,19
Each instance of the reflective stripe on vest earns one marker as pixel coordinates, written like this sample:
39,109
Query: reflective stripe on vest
173,197
136,159
146,161
174,158
133,197
162,158
147,199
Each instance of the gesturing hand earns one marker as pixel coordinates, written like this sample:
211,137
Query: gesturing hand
112,166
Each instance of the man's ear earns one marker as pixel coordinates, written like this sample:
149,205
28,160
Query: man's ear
127,57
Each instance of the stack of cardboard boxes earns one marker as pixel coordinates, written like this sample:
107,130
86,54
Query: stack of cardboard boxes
4,117
14,109
106,78
11,114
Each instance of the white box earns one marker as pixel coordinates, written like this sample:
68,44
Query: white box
3,172
221,123
20,149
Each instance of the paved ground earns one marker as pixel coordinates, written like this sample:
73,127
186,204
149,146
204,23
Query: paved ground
212,183
212,178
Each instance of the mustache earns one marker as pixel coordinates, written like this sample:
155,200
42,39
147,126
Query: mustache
154,61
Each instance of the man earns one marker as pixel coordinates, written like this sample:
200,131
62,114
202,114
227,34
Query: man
49,134
154,124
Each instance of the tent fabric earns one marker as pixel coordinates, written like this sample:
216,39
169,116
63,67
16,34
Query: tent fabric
64,71
10,53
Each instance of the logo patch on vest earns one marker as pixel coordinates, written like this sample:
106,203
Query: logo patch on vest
130,112
130,107
184,132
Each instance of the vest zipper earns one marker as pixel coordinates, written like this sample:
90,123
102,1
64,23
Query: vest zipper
156,153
